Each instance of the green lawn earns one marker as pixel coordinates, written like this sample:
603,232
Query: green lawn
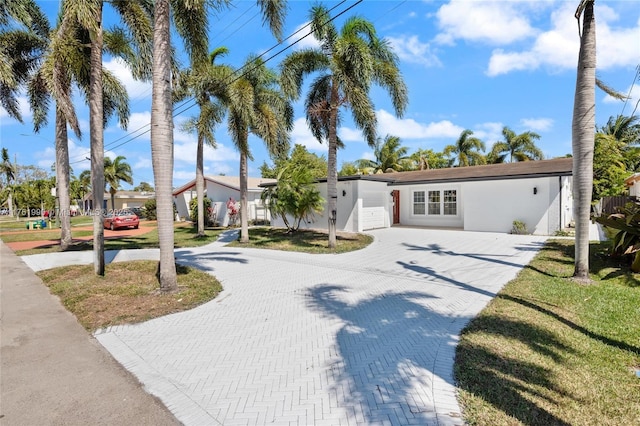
550,351
127,293
307,241
184,236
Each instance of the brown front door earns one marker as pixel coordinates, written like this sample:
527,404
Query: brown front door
396,206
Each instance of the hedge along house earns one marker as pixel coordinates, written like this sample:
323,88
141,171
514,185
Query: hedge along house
219,189
477,198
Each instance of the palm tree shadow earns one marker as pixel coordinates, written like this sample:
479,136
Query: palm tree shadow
393,351
439,250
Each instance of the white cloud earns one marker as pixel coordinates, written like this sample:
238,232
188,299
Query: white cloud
135,88
302,136
367,155
493,22
634,97
23,107
78,155
408,128
537,124
351,135
489,133
308,42
558,48
411,50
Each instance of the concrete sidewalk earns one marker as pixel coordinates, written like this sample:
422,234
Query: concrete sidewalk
53,372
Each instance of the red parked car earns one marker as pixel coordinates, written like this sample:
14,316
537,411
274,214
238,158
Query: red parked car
121,219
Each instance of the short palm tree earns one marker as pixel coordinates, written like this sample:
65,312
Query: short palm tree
116,171
390,156
256,105
346,64
466,150
515,147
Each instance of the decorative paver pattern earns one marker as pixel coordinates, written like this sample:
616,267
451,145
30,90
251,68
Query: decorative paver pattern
362,338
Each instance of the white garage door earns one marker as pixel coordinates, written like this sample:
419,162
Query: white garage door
372,218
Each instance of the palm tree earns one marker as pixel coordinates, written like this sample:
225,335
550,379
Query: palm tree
516,147
88,15
191,21
8,170
466,150
84,185
257,106
425,159
389,156
116,171
347,63
206,83
626,132
583,136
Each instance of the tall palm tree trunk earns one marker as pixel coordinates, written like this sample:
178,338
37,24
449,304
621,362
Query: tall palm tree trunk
200,185
62,180
162,143
96,123
112,192
583,136
332,167
244,222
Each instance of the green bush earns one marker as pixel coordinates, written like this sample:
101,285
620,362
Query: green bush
519,227
625,227
150,209
193,206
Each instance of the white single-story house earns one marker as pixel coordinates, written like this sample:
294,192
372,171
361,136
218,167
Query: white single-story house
220,189
477,198
123,199
633,184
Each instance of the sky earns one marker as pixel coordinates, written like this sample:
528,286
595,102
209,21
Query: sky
477,65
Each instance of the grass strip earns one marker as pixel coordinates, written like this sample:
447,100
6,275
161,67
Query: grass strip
550,351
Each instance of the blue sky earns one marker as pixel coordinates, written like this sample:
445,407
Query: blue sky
476,65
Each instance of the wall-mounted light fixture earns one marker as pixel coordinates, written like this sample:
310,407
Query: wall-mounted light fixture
344,193
535,190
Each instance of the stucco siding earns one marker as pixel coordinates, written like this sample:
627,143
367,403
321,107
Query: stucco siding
494,205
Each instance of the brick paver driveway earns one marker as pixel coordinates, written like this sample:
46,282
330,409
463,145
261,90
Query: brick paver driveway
361,338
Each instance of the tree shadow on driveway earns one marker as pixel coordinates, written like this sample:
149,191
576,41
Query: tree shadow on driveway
395,352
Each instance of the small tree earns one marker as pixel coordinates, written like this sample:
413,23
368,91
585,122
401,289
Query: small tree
294,197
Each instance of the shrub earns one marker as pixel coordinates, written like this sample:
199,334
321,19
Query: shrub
150,209
193,206
519,227
625,226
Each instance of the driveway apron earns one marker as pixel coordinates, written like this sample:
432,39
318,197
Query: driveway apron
361,338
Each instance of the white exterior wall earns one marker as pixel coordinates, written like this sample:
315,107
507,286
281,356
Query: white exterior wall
406,206
219,195
354,197
494,205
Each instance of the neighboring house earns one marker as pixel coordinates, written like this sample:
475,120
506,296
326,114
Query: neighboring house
633,184
220,189
123,200
476,198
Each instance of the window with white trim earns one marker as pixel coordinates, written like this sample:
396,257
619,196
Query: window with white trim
434,202
418,202
450,202
437,202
